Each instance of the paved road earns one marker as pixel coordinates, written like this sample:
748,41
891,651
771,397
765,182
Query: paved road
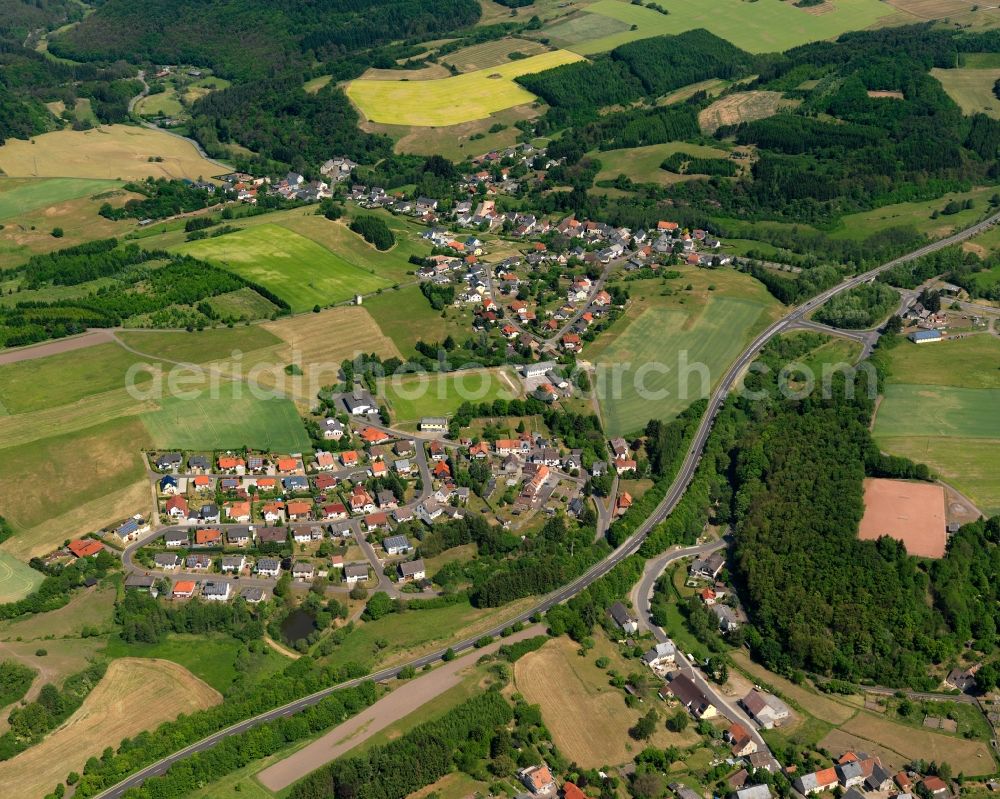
674,494
642,596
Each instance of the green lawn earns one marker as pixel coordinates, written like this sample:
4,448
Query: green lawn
662,355
420,322
229,421
762,27
412,396
211,658
17,580
20,195
63,379
642,164
201,346
971,88
297,269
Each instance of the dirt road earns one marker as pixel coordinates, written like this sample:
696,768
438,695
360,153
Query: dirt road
392,708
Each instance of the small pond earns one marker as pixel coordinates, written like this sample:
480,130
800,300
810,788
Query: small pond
297,625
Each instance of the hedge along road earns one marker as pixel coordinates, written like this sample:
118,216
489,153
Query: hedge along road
630,547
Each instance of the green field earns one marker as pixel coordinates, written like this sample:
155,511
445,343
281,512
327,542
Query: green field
711,336
412,396
17,580
297,269
454,100
165,103
979,60
947,411
940,408
762,27
199,347
583,28
20,195
230,421
971,88
642,164
420,322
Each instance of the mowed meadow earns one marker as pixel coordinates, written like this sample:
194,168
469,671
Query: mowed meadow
674,343
940,408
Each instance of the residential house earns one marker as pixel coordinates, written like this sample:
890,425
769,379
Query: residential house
333,429
216,591
429,510
623,503
234,563
198,562
177,507
741,742
239,536
209,513
299,509
708,568
538,780
412,570
168,485
183,589
376,521
816,781
627,622
728,620
208,537
267,567
252,595
325,461
167,561
303,571
355,572
396,545
434,423
753,792
85,547
238,511
691,697
661,655
937,787
334,511
168,461
175,538
403,514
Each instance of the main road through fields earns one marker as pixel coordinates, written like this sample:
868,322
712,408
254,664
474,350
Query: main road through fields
630,547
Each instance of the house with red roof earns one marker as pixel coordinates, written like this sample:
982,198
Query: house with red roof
177,507
85,547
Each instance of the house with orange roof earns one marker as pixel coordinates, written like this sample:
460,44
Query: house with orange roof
177,507
202,483
85,547
480,450
238,511
230,463
668,226
379,469
183,589
349,458
288,464
273,512
372,435
207,537
601,299
325,461
361,500
623,503
298,509
538,780
816,781
742,744
571,342
441,470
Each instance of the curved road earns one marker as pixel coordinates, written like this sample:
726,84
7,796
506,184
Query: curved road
684,476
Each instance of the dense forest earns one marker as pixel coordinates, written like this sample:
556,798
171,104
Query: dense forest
249,38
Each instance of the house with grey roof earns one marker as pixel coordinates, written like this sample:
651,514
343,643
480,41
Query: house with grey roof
413,570
753,792
167,561
216,591
396,545
355,572
625,620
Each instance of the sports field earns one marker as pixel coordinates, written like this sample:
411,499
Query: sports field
910,512
972,89
762,27
668,357
297,269
111,152
412,396
948,419
229,421
451,101
133,696
20,195
16,579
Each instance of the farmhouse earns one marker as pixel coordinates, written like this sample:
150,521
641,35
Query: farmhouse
85,547
816,782
433,423
765,709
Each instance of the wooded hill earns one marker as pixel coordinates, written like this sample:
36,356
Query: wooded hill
244,38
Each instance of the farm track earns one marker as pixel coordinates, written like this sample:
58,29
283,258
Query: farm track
673,496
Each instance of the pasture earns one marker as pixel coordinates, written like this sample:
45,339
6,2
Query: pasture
576,698
667,355
17,580
642,164
420,322
412,396
972,89
963,363
203,346
21,195
755,27
742,107
232,419
910,512
581,28
111,152
295,268
133,696
454,100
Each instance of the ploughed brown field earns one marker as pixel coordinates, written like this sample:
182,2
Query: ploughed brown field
913,513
